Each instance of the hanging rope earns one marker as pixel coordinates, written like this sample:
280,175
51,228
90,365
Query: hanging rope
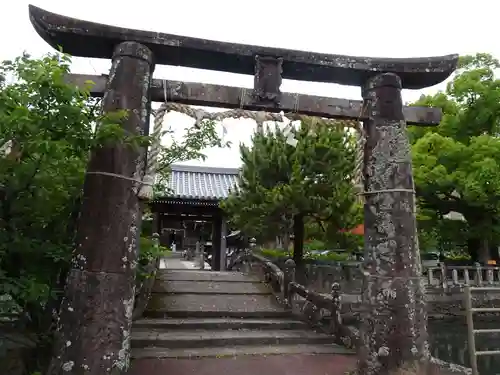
359,182
146,192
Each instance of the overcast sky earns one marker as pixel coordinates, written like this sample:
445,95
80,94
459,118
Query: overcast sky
388,28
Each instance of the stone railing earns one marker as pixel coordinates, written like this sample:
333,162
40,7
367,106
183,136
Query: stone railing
321,310
442,279
447,277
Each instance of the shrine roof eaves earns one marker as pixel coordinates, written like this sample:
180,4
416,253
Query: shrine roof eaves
202,183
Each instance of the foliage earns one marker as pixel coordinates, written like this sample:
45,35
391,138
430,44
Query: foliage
48,129
331,237
149,251
457,164
456,255
189,147
281,186
331,256
275,253
315,244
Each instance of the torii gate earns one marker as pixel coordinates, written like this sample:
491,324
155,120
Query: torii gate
394,330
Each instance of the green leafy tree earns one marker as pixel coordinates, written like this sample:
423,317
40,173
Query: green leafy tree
190,146
282,186
47,131
457,164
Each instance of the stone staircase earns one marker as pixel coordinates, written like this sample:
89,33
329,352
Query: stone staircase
195,313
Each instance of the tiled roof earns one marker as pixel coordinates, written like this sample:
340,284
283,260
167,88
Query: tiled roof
204,183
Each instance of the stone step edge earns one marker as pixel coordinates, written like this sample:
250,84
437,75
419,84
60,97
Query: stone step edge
225,338
209,293
147,334
240,350
178,323
164,314
163,280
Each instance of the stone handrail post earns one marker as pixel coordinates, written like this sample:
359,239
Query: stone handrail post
336,318
466,276
201,256
490,276
444,277
288,277
246,260
479,274
197,252
430,276
454,276
156,239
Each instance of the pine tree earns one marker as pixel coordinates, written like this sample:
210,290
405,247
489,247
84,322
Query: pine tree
281,185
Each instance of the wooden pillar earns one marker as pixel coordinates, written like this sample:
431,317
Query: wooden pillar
223,245
216,243
156,222
394,321
96,312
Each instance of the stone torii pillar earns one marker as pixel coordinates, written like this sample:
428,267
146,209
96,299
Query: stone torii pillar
394,320
96,312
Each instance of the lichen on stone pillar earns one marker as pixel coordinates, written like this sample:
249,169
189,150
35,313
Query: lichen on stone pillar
394,320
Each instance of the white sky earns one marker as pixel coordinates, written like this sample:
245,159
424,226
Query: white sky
388,28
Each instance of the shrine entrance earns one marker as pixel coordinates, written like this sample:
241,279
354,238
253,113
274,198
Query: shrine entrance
394,329
190,211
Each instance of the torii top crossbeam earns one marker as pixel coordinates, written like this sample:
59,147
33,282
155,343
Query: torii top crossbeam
90,39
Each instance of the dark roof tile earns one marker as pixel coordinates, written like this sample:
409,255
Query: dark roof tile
207,183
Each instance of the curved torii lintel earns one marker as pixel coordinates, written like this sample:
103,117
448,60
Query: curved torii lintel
90,39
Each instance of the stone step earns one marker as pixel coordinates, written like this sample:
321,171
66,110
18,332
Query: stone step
153,352
183,314
143,338
210,287
199,275
218,323
208,305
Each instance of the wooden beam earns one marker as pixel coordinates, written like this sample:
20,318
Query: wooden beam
172,209
188,217
207,95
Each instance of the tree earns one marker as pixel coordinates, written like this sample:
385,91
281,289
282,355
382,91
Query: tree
47,128
47,131
282,186
457,164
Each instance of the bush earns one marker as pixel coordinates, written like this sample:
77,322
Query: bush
456,255
275,253
331,256
280,254
314,245
148,252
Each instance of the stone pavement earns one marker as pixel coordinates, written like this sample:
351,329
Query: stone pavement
298,364
176,262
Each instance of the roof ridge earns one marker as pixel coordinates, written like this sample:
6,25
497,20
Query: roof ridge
202,183
203,169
